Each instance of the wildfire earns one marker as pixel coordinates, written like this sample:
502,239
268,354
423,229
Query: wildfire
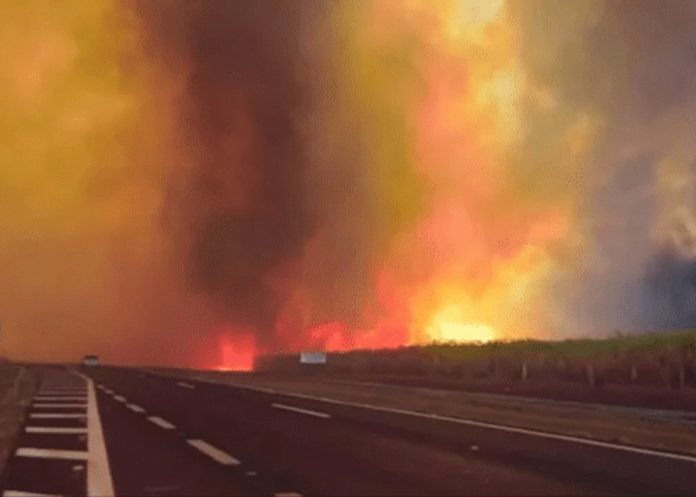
473,263
237,352
450,324
428,183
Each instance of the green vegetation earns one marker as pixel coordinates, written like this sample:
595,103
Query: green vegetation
656,359
576,348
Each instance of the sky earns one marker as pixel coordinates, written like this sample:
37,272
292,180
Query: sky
195,183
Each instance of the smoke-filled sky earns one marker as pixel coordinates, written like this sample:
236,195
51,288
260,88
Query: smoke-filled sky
192,183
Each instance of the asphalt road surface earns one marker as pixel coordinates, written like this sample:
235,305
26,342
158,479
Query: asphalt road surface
164,436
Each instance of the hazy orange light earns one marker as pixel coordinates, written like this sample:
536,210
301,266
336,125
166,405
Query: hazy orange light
237,353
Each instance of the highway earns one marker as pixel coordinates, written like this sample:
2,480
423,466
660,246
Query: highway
167,436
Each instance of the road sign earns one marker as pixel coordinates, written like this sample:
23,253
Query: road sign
313,358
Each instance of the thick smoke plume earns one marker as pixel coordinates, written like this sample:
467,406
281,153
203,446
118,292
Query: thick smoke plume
196,182
238,207
672,282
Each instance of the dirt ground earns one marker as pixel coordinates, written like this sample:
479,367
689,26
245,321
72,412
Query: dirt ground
637,427
17,386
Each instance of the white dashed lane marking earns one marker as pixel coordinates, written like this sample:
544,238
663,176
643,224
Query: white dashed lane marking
119,398
162,423
135,408
183,384
75,455
308,412
64,406
213,452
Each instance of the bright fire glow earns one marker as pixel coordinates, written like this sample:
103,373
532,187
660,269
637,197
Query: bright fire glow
473,264
451,325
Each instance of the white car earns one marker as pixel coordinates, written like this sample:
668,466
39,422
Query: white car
90,360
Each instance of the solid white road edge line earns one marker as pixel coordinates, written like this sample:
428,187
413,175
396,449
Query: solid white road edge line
302,411
99,480
162,423
213,452
75,455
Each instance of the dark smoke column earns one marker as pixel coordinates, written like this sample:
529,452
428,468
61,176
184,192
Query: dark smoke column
237,205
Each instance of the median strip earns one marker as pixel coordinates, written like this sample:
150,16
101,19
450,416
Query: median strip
213,452
308,412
